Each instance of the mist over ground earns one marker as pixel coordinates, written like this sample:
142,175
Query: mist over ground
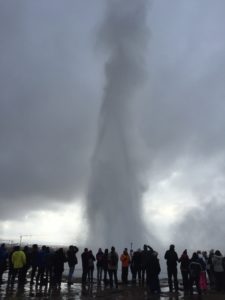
112,121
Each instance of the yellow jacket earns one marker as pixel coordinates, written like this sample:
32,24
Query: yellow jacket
18,259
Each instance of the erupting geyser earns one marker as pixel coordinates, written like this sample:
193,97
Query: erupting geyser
113,200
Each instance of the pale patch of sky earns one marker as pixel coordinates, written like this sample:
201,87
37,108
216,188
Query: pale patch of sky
63,226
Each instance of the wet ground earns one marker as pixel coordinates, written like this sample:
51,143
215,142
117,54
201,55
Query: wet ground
76,292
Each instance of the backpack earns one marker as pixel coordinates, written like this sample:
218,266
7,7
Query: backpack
195,269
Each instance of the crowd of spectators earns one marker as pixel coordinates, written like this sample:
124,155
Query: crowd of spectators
45,266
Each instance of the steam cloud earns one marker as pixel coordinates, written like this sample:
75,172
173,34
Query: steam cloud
50,103
114,206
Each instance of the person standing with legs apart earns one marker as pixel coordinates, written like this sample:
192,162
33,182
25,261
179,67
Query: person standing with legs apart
172,259
72,261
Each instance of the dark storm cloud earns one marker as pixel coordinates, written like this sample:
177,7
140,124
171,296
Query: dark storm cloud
183,113
48,92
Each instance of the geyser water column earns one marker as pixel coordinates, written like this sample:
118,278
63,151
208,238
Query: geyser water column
114,194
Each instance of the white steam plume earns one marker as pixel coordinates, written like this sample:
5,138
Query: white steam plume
114,195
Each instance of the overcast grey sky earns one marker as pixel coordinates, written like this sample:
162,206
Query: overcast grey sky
53,83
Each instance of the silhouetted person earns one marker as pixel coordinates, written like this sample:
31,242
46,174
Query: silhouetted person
72,261
209,268
184,268
217,261
112,267
136,266
41,264
202,280
195,269
99,264
91,266
85,265
3,260
172,259
105,265
125,259
10,264
145,255
153,271
34,262
26,267
58,266
49,265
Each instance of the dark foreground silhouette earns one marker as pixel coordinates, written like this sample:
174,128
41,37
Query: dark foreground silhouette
38,272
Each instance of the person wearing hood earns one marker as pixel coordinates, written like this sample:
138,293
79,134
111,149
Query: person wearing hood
195,268
153,270
217,261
